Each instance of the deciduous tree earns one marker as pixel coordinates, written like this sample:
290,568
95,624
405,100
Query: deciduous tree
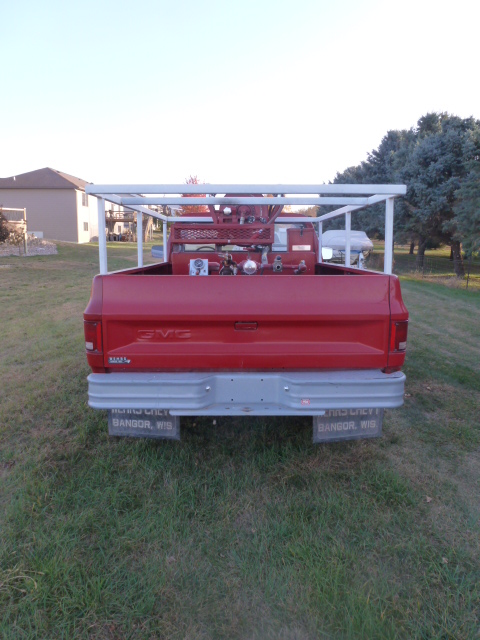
190,209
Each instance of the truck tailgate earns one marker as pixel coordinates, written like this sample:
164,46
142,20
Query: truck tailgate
174,323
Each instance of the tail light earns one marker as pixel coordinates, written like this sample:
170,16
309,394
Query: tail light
93,336
398,336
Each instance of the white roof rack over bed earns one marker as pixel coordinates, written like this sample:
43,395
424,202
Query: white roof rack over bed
348,197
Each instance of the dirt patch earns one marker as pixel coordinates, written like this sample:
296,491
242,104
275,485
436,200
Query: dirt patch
6,467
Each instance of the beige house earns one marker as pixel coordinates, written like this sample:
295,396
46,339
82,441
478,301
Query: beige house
57,206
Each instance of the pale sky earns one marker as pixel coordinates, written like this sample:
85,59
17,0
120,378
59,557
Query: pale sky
244,91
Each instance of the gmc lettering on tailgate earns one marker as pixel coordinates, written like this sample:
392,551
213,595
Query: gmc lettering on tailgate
163,334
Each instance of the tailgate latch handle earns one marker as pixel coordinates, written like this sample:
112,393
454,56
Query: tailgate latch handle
246,326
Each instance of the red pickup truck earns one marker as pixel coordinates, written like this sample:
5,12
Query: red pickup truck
285,333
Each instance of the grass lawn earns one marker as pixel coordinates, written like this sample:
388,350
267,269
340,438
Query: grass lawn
244,529
437,266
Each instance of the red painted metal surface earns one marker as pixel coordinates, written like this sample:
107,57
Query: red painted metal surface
398,314
290,262
178,322
251,213
239,234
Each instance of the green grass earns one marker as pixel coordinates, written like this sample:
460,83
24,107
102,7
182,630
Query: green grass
244,529
438,268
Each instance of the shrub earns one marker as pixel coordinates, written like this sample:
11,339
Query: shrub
4,228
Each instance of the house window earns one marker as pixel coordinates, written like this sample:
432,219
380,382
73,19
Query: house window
85,226
84,199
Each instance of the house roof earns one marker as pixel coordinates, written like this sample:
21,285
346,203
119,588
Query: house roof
43,179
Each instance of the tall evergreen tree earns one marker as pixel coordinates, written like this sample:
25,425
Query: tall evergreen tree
434,171
383,166
438,161
467,210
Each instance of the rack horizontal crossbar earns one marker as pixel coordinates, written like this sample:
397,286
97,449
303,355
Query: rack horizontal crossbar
279,220
234,201
318,189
